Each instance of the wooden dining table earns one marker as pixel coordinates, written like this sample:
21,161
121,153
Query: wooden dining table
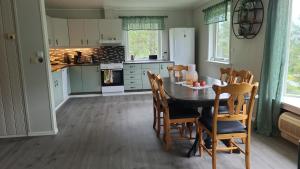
195,98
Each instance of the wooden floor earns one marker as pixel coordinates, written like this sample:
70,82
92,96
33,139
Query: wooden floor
116,133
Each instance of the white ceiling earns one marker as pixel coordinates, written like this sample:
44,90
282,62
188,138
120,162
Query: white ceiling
123,4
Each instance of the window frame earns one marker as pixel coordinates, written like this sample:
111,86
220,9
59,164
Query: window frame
212,39
159,38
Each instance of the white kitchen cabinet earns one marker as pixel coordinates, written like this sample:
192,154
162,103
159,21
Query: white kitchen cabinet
61,32
50,32
65,83
83,32
76,32
110,30
92,32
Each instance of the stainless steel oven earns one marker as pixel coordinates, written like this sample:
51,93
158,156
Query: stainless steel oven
112,79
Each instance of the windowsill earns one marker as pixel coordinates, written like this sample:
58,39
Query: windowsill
291,104
218,62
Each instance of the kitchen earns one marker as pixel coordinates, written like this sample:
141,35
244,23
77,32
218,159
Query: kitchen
83,51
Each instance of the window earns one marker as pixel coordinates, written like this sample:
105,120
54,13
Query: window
142,43
293,75
219,40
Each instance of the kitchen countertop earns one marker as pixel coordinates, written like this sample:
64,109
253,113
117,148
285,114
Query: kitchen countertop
146,61
61,66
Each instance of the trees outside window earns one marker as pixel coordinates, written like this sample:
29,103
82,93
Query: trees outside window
142,43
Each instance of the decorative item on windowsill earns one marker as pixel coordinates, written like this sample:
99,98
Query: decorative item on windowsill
191,75
247,18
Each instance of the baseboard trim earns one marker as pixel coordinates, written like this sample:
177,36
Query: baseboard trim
13,136
62,103
43,133
118,94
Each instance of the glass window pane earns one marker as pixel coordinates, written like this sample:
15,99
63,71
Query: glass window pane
293,79
142,43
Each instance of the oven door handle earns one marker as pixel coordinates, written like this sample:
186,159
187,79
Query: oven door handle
111,69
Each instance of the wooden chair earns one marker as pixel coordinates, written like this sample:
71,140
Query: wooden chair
176,70
226,75
157,116
242,76
174,114
228,126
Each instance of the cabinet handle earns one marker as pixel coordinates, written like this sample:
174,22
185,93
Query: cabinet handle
131,71
131,77
56,42
87,41
81,41
144,72
132,87
131,82
161,67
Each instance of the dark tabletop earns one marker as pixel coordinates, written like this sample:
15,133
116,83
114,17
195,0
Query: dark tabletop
193,97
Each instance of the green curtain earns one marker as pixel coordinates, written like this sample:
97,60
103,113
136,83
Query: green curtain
273,67
216,13
143,23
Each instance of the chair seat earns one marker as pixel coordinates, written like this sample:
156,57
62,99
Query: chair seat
225,127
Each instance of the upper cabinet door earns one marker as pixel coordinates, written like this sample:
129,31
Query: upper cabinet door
61,33
50,32
76,32
110,29
92,32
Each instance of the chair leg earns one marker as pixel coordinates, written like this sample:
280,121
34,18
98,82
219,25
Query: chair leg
200,141
190,128
158,122
167,137
214,155
247,152
155,118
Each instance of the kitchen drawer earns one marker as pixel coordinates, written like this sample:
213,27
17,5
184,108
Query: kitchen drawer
131,82
133,77
132,66
152,66
132,71
133,87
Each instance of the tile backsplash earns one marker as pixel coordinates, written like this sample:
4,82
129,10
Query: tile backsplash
105,54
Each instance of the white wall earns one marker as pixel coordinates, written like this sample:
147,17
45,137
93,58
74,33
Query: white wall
31,25
245,53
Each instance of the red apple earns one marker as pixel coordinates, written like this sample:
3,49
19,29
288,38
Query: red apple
202,83
196,84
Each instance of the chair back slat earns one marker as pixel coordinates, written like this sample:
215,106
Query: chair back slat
242,76
162,96
176,70
154,87
226,75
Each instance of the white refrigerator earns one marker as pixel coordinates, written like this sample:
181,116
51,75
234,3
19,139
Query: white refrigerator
182,45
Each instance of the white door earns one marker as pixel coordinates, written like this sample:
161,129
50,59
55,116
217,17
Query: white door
61,32
76,32
92,32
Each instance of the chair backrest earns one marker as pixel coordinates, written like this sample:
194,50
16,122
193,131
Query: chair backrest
163,97
242,76
176,70
236,103
226,75
154,87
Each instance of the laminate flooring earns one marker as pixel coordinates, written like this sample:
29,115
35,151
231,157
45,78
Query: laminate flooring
115,132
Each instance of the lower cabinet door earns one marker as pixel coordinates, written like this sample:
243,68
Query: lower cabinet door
75,79
91,79
163,71
145,79
57,87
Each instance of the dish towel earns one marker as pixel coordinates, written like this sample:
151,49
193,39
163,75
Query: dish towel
108,77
